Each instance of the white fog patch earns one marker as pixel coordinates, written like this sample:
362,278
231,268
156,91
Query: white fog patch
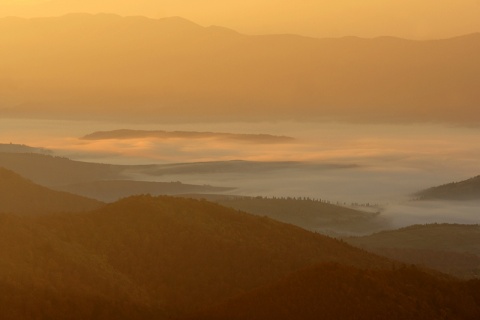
423,212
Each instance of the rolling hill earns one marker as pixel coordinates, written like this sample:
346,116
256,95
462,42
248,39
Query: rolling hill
450,248
463,190
19,195
163,254
174,66
164,257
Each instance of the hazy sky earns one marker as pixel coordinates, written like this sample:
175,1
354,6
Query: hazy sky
419,19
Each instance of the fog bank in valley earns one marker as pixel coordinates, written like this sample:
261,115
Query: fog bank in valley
338,162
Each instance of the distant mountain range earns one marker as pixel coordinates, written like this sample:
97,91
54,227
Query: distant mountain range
133,67
463,190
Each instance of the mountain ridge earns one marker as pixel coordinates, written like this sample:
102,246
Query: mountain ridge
217,74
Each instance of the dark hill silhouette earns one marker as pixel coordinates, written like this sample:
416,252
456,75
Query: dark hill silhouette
31,302
450,248
333,291
19,195
172,254
190,72
43,276
191,253
150,257
463,190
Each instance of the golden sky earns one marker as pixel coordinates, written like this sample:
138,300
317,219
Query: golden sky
421,19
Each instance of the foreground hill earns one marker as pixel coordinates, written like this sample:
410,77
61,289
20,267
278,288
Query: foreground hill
463,190
19,195
45,277
187,71
450,248
190,253
150,257
333,291
161,254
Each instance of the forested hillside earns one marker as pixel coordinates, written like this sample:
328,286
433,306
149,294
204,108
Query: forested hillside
333,291
162,257
170,254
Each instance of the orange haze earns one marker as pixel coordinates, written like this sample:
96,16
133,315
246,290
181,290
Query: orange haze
368,18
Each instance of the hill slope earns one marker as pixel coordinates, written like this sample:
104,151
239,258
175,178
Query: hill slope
206,252
338,292
187,71
450,248
19,195
150,257
170,254
45,277
463,190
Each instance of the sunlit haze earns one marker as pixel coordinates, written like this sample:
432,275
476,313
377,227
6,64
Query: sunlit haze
423,19
239,159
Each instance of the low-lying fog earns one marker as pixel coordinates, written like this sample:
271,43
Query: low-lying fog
366,163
